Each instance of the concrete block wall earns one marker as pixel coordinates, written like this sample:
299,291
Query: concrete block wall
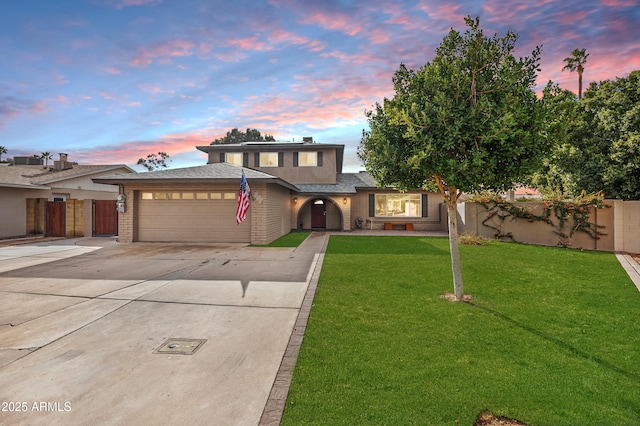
35,216
621,222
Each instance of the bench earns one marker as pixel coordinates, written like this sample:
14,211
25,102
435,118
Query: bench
388,226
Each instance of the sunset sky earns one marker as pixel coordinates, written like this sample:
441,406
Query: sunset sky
110,81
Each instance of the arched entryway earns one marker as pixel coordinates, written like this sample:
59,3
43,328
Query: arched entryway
320,214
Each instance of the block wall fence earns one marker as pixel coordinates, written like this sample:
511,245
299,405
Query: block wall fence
620,224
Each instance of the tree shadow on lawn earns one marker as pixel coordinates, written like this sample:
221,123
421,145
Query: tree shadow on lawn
559,343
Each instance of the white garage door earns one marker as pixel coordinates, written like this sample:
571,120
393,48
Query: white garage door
191,216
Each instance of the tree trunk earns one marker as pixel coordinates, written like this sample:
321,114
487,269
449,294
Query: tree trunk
450,194
453,247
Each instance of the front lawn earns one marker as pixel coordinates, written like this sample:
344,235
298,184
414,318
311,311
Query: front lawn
551,337
292,239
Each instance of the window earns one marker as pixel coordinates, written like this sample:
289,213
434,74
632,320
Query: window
234,158
398,205
216,196
229,195
202,196
268,159
160,196
308,159
187,195
174,195
147,196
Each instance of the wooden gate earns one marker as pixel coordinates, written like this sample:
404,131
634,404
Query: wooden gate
105,218
56,215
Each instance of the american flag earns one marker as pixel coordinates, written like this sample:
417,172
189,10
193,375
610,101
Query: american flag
243,200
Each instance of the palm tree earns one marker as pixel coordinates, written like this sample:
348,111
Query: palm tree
3,150
575,62
46,156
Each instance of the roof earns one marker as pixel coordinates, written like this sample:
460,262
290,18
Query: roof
346,183
220,172
269,145
40,177
276,146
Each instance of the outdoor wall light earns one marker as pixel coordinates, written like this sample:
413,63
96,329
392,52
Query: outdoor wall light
295,200
344,200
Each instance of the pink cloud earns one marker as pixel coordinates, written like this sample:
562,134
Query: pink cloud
128,152
121,4
574,18
619,3
279,35
248,43
162,51
334,21
113,70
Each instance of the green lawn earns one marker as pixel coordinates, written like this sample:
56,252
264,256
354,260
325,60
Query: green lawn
551,337
292,239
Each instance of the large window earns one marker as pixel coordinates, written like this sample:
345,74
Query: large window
398,205
268,159
234,158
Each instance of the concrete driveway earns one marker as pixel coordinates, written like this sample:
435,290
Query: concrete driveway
83,327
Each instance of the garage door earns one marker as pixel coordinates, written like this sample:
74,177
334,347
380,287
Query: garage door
191,216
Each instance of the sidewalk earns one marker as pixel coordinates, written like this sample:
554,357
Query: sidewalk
631,267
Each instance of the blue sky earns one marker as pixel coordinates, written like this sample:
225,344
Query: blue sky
110,81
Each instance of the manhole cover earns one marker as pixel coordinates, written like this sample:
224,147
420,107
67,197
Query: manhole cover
180,346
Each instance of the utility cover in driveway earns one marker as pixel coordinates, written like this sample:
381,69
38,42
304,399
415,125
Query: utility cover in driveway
180,346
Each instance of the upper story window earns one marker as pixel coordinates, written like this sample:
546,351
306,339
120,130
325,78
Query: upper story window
268,159
234,158
307,159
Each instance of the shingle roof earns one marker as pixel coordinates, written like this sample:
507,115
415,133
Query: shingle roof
38,177
207,172
346,183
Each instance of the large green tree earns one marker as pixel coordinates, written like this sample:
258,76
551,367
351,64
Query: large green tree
238,136
576,62
3,150
467,120
599,143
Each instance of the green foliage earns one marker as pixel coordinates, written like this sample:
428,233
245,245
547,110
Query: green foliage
3,150
238,136
598,148
155,162
550,337
469,116
563,209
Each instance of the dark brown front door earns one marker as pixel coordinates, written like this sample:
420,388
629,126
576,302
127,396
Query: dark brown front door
56,218
318,216
105,217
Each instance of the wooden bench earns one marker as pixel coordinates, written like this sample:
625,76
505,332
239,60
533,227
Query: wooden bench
388,226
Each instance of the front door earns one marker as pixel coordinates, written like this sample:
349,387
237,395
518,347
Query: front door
318,214
56,215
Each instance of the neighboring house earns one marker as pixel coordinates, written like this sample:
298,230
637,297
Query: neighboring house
28,191
293,186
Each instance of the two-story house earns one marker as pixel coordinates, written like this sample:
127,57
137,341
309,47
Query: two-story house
293,186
